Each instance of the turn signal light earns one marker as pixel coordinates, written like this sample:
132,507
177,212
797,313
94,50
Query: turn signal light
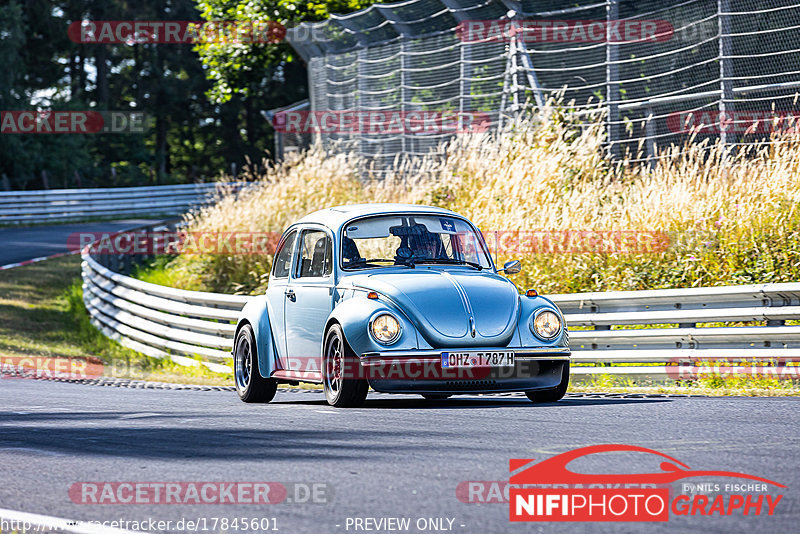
372,295
531,293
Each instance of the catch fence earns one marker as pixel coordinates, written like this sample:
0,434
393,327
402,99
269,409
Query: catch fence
662,72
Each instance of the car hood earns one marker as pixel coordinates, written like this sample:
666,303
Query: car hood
449,306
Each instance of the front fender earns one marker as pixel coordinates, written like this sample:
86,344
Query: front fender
354,315
256,312
529,305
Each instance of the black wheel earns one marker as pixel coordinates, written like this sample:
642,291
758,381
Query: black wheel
435,397
551,395
343,388
250,385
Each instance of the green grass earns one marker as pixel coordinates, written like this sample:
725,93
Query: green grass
704,385
42,314
750,388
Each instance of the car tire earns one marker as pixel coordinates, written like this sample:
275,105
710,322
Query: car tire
435,397
250,385
339,360
551,395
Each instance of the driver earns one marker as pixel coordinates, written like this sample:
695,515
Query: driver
425,246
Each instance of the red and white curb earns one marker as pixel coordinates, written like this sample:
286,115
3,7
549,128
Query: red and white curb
35,260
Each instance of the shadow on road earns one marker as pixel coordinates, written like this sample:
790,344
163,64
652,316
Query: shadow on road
80,438
247,432
404,403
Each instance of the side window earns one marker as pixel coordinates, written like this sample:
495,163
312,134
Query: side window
283,257
316,251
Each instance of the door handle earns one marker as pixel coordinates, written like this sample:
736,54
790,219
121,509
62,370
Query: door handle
290,295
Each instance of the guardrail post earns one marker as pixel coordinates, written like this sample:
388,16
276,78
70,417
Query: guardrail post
725,72
612,82
126,264
113,262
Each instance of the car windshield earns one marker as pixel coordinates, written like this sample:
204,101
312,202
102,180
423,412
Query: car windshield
411,239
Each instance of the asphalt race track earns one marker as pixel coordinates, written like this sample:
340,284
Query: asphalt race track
26,243
397,456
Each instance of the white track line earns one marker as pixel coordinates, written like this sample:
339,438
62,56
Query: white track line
56,523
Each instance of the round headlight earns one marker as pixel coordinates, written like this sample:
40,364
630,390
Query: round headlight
546,325
385,329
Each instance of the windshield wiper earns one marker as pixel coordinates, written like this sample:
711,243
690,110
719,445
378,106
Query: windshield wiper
364,261
450,261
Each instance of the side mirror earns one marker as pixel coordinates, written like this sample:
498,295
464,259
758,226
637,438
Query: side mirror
512,267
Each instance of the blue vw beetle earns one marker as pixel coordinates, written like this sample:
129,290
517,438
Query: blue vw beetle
402,298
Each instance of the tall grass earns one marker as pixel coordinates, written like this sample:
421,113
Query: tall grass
730,219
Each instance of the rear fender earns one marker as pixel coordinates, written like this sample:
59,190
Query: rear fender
257,313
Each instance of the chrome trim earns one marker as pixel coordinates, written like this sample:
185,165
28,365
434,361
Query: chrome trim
464,300
393,316
537,313
544,353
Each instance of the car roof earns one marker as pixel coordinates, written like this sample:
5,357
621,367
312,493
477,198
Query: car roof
336,216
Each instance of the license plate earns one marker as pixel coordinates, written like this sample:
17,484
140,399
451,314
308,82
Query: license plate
477,359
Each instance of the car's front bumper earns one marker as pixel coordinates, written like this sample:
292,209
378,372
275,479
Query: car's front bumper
421,371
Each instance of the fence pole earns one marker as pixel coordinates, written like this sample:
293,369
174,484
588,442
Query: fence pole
361,85
403,90
725,71
504,96
515,85
278,146
612,81
463,86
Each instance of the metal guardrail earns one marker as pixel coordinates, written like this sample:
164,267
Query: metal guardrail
632,327
629,327
55,205
188,327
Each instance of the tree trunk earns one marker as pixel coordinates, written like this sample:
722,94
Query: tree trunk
250,125
100,59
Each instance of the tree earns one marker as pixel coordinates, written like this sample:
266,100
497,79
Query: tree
191,137
260,74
